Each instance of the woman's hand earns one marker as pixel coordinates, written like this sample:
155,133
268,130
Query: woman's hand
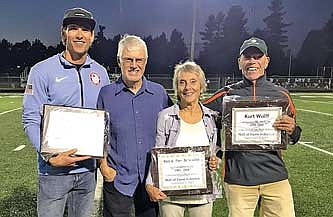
213,163
155,194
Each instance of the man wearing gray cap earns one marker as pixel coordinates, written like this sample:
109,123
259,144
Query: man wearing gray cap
70,78
253,175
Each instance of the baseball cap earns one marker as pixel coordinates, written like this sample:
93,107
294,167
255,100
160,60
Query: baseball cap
254,42
79,16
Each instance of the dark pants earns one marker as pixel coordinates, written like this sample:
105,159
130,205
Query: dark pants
118,205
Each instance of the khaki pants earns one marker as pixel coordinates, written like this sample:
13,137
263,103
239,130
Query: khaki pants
276,199
177,210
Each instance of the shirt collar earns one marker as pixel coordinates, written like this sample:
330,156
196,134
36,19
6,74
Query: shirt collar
259,81
67,64
146,86
206,111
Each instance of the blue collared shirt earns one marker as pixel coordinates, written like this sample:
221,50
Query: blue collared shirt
133,120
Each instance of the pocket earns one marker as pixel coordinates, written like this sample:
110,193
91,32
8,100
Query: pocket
54,187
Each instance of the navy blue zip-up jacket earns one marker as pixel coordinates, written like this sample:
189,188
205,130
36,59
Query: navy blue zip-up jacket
254,167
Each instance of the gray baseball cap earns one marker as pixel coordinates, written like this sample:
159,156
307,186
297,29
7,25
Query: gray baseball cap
79,16
254,42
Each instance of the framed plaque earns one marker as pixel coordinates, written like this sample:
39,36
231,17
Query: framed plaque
65,128
248,124
182,170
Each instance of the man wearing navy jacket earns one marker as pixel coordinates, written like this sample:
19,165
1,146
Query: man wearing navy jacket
250,175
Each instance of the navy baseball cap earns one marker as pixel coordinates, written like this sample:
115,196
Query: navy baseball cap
254,42
80,17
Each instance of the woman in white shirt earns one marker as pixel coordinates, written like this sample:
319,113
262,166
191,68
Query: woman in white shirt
187,123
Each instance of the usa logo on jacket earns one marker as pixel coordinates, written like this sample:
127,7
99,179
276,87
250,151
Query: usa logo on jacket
95,78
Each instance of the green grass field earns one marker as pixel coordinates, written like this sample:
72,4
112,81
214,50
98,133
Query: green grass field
310,170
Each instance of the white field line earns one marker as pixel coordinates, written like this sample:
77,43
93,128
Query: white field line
303,100
315,148
98,194
5,112
19,148
305,95
15,96
322,113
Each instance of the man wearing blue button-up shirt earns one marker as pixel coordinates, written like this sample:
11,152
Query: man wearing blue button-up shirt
133,104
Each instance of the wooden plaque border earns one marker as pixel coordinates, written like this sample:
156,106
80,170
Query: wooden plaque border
155,173
230,102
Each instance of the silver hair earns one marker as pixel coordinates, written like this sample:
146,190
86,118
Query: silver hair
192,67
130,42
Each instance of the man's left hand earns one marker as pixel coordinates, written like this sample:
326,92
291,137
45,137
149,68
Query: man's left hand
286,123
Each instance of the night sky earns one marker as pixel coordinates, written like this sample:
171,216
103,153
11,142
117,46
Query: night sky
41,19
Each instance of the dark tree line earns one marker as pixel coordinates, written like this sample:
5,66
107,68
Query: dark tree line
221,37
16,56
317,50
163,53
224,33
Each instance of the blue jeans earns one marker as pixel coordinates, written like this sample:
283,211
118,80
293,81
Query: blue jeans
77,190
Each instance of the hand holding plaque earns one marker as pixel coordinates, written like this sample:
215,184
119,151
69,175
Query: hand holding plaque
66,158
286,123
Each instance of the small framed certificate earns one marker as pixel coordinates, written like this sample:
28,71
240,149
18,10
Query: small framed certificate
255,125
248,124
182,170
65,128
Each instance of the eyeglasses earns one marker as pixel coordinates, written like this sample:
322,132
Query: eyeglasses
129,61
255,56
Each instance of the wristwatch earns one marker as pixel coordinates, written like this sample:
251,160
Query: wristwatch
47,157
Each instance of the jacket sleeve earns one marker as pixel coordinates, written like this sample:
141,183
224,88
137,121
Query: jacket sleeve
106,80
219,143
161,135
34,97
296,135
159,142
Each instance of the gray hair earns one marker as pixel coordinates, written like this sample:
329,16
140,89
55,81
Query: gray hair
192,67
130,42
